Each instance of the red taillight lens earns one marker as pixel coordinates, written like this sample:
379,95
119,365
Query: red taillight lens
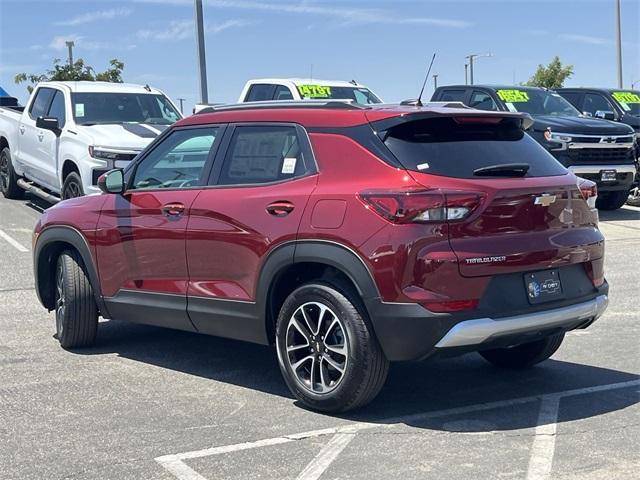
451,306
472,120
422,206
589,191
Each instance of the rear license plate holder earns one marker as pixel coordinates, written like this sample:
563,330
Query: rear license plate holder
608,175
544,286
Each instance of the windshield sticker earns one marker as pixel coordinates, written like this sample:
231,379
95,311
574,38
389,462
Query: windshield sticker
314,91
289,165
79,109
626,97
422,166
513,96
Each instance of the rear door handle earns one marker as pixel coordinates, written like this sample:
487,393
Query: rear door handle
21,130
173,210
40,136
280,209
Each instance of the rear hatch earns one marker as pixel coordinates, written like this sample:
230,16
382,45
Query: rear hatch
526,211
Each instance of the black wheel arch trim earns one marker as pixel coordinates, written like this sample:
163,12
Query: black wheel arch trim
51,242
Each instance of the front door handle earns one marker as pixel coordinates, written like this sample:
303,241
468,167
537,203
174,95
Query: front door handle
280,209
173,210
21,130
40,136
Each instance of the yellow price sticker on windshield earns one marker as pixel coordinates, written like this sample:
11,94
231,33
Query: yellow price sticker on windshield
314,91
626,97
513,96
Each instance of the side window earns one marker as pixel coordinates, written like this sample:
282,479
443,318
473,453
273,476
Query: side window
573,98
262,154
282,93
57,108
453,96
594,102
178,161
482,101
40,103
260,92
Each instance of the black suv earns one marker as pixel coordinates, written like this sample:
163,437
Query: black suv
596,149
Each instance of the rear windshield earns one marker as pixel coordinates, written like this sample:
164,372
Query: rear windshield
442,146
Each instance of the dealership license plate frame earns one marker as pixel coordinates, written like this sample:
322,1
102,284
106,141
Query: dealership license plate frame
608,175
543,286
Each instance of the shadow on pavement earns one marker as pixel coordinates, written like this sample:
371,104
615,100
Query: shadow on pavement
624,213
411,388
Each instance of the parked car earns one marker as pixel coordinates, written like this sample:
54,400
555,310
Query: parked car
70,133
599,150
612,104
265,89
349,236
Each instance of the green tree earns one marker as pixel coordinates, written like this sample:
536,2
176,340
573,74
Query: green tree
551,76
76,72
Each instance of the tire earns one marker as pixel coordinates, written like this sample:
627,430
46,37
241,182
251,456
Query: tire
75,307
611,200
8,178
525,355
634,197
364,365
72,186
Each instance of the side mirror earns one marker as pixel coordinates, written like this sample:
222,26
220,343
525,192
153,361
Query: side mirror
48,123
112,181
605,115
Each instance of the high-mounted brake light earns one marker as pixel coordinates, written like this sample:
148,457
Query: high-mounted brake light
471,120
589,191
422,206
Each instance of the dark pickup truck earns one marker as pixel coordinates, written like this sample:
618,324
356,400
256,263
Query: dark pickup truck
599,150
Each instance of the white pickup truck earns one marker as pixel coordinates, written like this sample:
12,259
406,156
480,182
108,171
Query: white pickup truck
269,89
70,133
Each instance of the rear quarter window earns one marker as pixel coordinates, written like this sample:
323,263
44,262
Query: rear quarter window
441,146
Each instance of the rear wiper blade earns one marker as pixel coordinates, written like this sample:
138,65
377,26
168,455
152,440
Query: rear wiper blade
503,170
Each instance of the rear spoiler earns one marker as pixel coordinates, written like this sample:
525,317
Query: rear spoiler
444,110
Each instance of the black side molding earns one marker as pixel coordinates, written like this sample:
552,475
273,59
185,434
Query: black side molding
50,243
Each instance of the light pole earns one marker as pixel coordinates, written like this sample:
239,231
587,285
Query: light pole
618,43
471,58
466,74
181,100
70,44
202,62
435,81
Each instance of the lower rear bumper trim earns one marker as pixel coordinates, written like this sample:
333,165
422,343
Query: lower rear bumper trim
479,330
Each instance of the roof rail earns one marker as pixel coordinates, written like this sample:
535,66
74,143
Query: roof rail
337,104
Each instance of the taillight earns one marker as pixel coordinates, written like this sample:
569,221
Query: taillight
422,206
473,120
589,191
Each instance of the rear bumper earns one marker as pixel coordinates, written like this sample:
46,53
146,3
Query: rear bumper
624,175
481,330
408,331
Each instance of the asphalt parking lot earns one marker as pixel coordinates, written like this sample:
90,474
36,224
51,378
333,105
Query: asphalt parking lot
148,403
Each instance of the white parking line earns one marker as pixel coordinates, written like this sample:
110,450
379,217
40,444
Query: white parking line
327,455
542,463
544,443
14,243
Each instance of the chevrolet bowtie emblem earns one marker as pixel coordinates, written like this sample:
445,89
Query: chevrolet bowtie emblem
545,199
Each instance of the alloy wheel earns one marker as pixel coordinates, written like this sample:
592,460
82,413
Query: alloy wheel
60,305
4,172
71,190
316,347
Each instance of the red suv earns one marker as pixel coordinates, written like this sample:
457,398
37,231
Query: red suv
349,236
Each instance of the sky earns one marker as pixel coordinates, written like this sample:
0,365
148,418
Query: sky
385,45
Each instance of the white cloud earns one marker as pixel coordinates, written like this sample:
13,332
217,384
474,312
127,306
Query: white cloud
588,39
182,29
96,16
346,16
59,43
